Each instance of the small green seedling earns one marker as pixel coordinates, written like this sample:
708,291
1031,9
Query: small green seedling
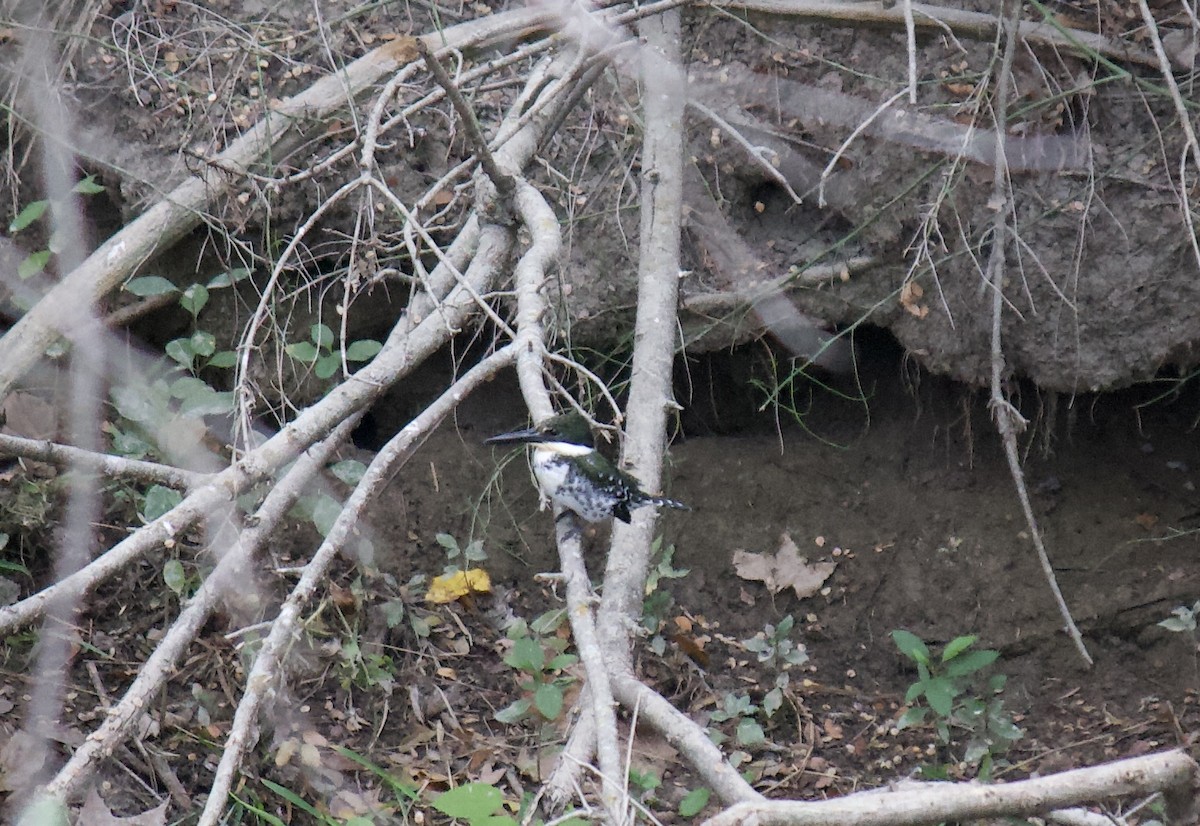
319,353
539,654
951,689
748,732
470,553
476,803
33,212
774,647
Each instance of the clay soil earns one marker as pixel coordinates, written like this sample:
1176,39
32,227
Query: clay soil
897,477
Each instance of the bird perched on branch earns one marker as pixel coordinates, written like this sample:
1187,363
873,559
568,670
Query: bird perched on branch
573,474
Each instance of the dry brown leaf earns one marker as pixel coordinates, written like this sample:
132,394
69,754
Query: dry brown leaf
910,299
787,568
95,812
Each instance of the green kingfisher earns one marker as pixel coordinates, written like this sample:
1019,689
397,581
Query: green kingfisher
573,474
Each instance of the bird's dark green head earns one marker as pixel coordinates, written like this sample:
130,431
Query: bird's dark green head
570,428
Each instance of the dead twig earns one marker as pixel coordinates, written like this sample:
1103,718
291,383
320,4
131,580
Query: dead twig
1172,772
1009,420
65,455
1185,120
503,182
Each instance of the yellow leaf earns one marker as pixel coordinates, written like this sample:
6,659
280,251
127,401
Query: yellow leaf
451,587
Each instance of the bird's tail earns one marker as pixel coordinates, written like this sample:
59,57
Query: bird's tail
666,503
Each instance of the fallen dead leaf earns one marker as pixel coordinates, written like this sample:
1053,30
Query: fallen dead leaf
910,299
30,416
451,587
401,49
95,812
784,569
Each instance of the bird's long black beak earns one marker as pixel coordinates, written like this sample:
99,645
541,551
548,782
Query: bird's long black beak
528,436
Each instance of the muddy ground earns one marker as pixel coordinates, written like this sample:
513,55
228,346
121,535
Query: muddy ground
906,488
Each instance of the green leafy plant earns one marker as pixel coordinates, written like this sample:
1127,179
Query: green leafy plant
694,802
169,402
774,647
476,803
643,783
177,578
739,709
539,654
1183,621
32,213
359,665
953,692
467,554
197,351
658,601
323,509
319,353
363,669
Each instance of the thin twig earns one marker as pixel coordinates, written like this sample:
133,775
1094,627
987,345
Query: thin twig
910,40
756,153
1181,110
858,130
503,182
1008,419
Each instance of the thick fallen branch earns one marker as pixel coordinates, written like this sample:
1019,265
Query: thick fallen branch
140,471
1173,773
959,21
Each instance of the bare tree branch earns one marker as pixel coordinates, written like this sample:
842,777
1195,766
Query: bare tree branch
228,576
267,664
1172,772
1008,419
107,465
